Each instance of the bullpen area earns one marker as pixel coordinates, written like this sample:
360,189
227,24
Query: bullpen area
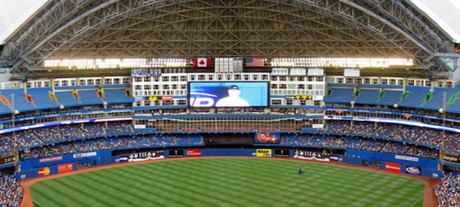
229,182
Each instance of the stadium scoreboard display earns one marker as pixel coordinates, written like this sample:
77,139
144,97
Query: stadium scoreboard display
228,94
6,160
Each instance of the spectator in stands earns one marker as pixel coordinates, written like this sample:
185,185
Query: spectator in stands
448,190
10,191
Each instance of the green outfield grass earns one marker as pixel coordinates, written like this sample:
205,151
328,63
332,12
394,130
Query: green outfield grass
229,182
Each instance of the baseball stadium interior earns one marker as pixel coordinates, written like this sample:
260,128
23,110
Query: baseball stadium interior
94,82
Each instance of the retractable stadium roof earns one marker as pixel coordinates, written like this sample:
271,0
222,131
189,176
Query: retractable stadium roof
68,29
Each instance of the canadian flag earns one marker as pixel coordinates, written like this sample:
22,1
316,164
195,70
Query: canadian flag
202,62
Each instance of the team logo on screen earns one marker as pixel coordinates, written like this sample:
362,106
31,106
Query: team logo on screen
202,100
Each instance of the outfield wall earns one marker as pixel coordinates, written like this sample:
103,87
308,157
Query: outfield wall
67,163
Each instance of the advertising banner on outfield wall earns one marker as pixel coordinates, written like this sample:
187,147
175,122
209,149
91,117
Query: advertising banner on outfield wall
413,170
143,156
334,158
86,154
68,167
50,159
194,153
281,153
392,167
311,155
263,152
450,158
44,171
176,153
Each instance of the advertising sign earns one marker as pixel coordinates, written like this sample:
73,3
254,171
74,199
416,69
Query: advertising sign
43,171
413,170
83,155
281,153
50,159
68,167
194,153
392,167
334,158
267,138
450,158
311,155
6,160
408,158
123,159
176,153
263,152
143,156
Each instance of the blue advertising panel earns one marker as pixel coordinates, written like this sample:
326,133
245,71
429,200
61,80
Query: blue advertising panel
228,94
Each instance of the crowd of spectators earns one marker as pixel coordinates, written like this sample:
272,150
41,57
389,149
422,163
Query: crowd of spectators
359,143
408,133
6,143
420,135
339,127
27,138
428,115
448,190
328,141
366,128
395,148
425,152
372,145
38,136
119,127
387,130
90,145
11,191
48,134
85,146
141,141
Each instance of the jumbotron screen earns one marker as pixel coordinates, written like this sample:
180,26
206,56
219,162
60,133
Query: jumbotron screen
228,94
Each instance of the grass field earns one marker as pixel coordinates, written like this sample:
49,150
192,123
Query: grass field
229,182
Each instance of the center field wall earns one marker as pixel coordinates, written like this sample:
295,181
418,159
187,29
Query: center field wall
73,162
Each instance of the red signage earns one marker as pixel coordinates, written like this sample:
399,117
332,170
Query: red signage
68,167
392,167
194,153
43,171
50,159
166,98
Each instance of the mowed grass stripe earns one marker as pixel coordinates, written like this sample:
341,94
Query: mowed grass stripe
213,185
233,182
172,186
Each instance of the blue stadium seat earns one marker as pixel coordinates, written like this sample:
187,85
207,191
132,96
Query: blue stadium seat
89,97
116,96
391,97
66,98
368,96
340,95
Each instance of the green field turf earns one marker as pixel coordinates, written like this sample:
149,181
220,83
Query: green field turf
229,182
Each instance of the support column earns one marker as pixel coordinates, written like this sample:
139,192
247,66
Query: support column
24,87
52,85
404,85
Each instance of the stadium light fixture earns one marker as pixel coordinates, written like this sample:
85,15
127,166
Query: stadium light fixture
113,63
